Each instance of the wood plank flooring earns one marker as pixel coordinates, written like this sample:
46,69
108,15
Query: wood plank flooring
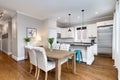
102,69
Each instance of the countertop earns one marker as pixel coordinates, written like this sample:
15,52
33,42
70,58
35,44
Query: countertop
78,43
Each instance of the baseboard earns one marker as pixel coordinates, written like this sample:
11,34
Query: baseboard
17,58
8,53
118,73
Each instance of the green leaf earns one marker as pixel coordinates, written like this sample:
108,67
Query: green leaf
27,39
51,40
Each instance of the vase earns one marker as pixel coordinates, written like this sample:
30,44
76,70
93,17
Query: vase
28,43
51,47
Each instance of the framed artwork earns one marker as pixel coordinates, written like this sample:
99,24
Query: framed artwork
31,32
4,36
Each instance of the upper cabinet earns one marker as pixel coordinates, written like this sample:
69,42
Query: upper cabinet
92,30
103,23
82,34
67,34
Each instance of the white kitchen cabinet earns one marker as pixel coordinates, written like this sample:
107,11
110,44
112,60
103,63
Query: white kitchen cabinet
66,34
91,30
95,51
103,23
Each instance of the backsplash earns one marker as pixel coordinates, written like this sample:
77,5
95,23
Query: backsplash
72,40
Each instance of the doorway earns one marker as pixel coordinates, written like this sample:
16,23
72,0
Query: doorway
0,39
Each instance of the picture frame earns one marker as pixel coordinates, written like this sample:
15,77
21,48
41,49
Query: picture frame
31,32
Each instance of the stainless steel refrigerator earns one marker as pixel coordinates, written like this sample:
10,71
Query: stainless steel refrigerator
104,39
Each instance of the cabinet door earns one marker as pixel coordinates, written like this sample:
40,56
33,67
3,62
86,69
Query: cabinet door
110,22
63,32
67,34
92,30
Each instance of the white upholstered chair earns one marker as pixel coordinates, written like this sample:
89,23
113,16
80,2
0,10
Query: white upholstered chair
42,61
32,57
65,47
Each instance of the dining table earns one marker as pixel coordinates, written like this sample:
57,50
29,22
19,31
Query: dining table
58,56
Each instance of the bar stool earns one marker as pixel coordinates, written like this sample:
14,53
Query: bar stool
78,55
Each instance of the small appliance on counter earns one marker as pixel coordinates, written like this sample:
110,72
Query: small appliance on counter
58,35
92,40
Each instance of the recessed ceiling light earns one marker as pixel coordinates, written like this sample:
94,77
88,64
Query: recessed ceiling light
96,12
78,17
58,17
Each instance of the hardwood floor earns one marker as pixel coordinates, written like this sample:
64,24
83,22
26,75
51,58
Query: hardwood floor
102,69
11,70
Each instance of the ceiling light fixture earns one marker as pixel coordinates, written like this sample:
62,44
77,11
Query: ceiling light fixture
96,12
1,14
58,17
69,24
78,17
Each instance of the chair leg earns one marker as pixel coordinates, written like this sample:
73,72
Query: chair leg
81,57
31,67
46,75
38,73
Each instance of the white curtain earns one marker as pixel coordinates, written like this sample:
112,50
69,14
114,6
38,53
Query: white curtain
116,38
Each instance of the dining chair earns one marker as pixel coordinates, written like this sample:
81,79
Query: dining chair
32,57
65,47
42,62
56,46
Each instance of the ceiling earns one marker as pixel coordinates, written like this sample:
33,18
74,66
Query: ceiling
7,14
43,9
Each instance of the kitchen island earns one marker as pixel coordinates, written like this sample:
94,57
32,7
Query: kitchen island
86,49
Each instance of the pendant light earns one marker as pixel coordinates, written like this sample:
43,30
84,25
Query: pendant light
82,17
1,14
69,25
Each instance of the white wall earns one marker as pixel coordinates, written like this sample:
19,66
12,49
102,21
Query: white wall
1,37
48,24
10,37
116,40
119,43
21,22
6,42
14,37
52,33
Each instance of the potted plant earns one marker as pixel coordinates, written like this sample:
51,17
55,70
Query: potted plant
27,40
51,40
